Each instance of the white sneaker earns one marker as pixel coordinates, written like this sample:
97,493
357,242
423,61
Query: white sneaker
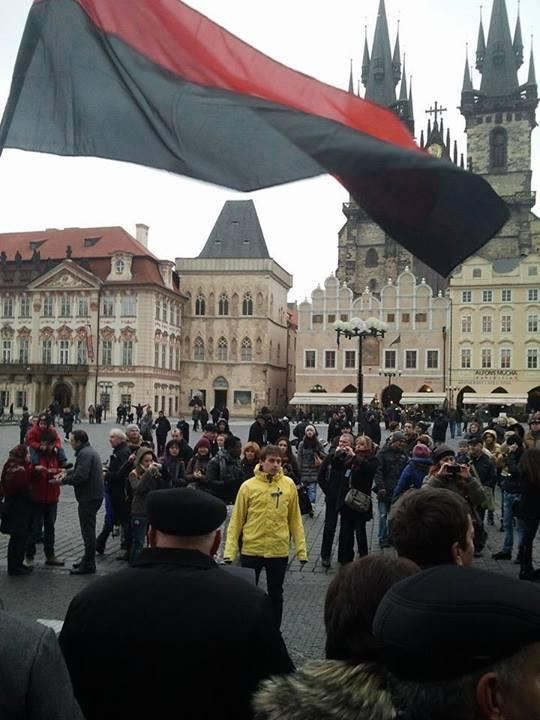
28,562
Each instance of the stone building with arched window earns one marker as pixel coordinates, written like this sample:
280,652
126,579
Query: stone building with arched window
238,342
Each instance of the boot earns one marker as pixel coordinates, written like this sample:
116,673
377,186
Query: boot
101,540
53,561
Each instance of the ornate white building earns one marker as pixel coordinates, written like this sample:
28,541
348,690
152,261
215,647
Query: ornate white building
88,315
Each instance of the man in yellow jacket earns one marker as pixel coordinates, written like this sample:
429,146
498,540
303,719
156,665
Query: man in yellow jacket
266,514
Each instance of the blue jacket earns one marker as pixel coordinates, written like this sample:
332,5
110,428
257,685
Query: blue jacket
412,475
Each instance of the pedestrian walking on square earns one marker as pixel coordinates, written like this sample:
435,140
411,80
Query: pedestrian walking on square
392,459
310,457
266,515
15,488
511,487
114,478
67,421
162,427
186,633
87,480
45,497
257,431
24,425
91,414
146,425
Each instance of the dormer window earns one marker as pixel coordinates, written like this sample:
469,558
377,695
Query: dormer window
119,266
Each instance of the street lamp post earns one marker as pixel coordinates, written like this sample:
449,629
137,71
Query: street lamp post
357,328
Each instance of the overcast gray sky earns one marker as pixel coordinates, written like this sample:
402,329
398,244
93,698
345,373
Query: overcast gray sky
300,221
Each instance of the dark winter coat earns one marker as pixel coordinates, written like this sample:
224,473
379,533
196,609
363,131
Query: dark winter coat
183,426
162,426
257,434
362,473
184,631
326,689
115,480
412,475
15,483
87,475
309,471
331,476
391,463
224,477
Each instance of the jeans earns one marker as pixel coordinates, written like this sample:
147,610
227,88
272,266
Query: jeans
43,517
508,517
275,577
384,508
88,509
138,524
34,456
352,523
452,429
458,428
311,491
330,524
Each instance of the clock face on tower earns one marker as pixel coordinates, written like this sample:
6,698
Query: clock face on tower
435,150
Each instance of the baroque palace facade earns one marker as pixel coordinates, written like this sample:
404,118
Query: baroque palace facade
88,315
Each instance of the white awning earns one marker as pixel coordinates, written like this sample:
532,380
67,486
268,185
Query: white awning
494,399
423,398
327,399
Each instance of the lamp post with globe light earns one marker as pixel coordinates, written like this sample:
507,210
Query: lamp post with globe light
358,328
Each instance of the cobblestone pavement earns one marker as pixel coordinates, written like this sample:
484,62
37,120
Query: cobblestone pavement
48,591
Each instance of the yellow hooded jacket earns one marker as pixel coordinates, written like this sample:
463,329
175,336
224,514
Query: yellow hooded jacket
266,514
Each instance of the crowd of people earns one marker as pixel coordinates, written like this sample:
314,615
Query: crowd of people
198,525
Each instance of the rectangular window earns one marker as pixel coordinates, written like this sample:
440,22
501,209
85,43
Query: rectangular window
329,359
25,306
317,319
63,352
420,317
108,306
164,356
7,307
83,307
6,351
46,352
390,359
487,296
432,359
466,324
24,350
344,318
506,323
477,272
310,358
156,355
82,356
466,356
506,295
350,359
405,317
127,353
129,305
487,323
158,312
506,358
165,313
331,319
532,270
106,352
532,359
65,306
486,358
20,398
171,358
390,317
532,295
411,359
48,306
177,359
466,296
532,323
242,397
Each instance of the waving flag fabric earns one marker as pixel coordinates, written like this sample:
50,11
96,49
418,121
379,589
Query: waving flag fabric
156,83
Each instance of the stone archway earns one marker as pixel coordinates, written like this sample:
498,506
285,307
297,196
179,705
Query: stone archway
391,395
461,393
63,394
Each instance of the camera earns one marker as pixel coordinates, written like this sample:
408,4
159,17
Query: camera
452,470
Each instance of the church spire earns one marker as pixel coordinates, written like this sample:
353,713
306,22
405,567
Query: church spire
518,42
365,62
499,71
467,83
351,81
532,88
403,95
381,87
480,45
396,59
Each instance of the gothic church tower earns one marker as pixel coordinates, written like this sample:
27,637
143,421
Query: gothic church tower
500,118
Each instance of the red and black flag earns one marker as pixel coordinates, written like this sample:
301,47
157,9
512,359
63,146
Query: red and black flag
156,83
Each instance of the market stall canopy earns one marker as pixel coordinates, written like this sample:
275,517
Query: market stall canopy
494,399
423,398
324,398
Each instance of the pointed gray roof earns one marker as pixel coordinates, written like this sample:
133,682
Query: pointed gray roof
480,47
351,81
396,59
411,105
237,233
532,72
467,83
381,87
403,94
499,74
365,62
518,43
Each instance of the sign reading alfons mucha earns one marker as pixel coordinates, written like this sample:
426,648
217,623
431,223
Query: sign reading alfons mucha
486,375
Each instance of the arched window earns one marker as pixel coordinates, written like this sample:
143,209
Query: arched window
499,149
372,259
246,350
247,304
200,305
198,349
222,349
372,285
223,305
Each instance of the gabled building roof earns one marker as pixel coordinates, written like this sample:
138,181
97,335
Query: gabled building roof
237,233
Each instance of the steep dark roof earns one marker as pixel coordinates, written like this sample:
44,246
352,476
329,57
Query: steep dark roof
381,83
499,72
237,233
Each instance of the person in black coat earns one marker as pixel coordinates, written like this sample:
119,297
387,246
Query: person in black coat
183,426
162,427
257,431
114,481
353,522
67,421
186,633
373,428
